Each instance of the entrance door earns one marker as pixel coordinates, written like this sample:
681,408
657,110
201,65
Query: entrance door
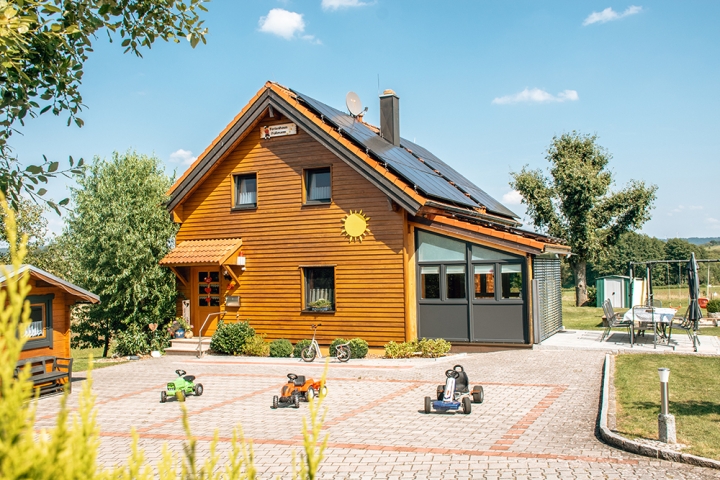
613,291
205,299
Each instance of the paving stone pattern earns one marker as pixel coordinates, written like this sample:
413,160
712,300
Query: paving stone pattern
537,421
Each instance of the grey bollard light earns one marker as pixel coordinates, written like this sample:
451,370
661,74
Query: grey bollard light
666,421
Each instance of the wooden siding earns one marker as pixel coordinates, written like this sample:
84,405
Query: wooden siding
282,234
61,323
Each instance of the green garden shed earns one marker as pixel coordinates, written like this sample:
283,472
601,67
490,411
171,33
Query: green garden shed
616,288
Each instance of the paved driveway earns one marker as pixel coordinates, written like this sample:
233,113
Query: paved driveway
537,421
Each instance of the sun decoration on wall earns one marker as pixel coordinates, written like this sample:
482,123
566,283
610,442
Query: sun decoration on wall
355,226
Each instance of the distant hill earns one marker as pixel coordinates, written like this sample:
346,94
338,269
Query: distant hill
702,240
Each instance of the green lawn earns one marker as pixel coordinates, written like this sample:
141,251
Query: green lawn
590,318
694,399
81,358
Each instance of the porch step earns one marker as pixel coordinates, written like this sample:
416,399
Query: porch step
188,346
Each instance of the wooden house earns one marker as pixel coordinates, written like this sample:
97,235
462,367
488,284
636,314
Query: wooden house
50,300
298,214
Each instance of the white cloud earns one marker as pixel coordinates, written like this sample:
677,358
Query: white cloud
336,4
609,15
282,23
512,197
183,157
712,220
535,95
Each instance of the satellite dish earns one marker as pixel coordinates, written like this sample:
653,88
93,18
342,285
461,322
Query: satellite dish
354,105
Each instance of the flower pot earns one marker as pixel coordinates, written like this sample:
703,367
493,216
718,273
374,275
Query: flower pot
155,354
180,333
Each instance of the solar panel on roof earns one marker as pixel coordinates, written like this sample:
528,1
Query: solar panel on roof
398,159
447,171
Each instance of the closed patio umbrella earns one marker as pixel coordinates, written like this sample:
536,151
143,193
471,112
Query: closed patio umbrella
694,313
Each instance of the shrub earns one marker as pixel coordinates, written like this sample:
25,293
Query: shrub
713,306
132,341
299,346
230,338
400,350
592,296
281,348
358,348
335,343
434,348
256,346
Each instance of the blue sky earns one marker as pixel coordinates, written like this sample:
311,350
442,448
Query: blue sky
485,85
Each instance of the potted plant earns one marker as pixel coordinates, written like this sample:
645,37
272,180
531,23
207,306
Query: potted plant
320,305
178,327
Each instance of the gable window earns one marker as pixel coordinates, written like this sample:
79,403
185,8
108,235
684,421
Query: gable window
39,332
246,190
319,288
317,185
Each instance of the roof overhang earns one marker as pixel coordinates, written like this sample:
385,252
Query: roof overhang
222,252
72,289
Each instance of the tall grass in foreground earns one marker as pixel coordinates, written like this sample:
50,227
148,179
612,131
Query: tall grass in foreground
69,450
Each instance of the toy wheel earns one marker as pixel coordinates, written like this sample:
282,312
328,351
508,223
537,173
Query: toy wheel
428,404
308,354
343,353
296,401
198,389
466,405
275,402
163,397
180,395
440,392
478,394
310,394
323,391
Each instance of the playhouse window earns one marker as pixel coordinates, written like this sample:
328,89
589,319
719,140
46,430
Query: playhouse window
39,332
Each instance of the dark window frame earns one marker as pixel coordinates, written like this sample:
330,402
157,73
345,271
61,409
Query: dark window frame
243,206
46,302
306,183
305,304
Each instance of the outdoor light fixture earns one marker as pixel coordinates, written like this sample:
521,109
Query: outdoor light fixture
666,421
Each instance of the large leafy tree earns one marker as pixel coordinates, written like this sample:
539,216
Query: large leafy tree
43,48
117,233
575,203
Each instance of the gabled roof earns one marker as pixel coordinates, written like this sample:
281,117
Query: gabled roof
408,174
53,280
192,252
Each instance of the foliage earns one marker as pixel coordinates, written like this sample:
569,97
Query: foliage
230,338
713,306
70,449
44,45
300,346
434,347
591,296
281,348
575,203
630,247
358,348
321,303
116,235
256,346
131,341
335,343
400,350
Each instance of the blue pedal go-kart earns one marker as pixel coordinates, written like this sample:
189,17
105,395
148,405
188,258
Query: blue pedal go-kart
455,394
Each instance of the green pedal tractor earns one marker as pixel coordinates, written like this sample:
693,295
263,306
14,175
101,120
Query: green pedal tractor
181,387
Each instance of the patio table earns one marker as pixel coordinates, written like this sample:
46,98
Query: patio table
660,318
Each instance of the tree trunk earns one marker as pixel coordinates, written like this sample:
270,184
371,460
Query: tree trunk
107,345
578,268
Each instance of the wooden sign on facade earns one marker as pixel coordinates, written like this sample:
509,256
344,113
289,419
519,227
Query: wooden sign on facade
278,130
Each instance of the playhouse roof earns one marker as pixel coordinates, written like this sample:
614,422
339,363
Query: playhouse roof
48,277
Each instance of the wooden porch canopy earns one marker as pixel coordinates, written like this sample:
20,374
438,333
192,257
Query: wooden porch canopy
222,252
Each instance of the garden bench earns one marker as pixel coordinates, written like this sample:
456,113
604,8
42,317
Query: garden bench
48,374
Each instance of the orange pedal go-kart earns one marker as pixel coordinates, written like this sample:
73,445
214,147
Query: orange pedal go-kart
296,389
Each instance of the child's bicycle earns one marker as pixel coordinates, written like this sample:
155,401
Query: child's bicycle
312,351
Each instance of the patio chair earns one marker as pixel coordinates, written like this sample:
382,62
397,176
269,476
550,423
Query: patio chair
690,327
615,320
